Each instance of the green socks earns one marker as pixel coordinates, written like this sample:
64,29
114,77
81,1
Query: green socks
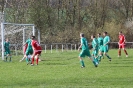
27,60
108,56
82,63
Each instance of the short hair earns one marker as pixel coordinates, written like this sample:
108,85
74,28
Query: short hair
33,37
82,34
93,36
99,33
105,32
120,31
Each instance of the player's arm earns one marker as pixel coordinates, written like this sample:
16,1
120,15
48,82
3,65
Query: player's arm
95,43
80,45
107,41
4,46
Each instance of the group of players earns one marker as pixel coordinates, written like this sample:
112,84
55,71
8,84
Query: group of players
32,50
100,47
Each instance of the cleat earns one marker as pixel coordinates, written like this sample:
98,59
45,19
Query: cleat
118,55
82,66
126,55
32,64
110,59
96,65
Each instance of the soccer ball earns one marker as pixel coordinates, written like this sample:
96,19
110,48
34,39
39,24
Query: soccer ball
29,56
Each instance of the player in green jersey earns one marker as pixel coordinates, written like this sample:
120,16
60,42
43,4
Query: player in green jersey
7,49
105,47
29,50
95,48
100,45
85,51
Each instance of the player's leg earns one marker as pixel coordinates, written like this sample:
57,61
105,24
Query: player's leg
94,61
6,55
95,53
119,51
123,46
37,57
26,56
106,51
100,55
32,59
10,55
81,55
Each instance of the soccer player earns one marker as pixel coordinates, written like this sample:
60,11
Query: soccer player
121,44
100,44
27,50
7,49
85,51
95,48
105,47
36,50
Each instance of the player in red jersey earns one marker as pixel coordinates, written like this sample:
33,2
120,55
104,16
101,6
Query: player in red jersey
121,44
36,50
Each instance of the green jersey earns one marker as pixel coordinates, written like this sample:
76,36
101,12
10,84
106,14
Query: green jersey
95,43
106,39
84,43
6,45
29,44
100,41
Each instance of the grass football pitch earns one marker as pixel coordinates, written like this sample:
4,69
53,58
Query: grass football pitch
62,70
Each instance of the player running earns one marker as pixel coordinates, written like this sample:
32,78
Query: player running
36,50
95,48
105,48
85,51
7,49
121,44
100,44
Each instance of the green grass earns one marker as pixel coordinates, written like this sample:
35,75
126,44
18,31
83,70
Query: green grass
62,70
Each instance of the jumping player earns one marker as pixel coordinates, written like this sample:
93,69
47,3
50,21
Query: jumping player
7,49
36,50
121,44
85,51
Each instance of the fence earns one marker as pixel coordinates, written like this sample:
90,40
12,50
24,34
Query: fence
16,49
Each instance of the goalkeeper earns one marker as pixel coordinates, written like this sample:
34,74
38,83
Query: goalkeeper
7,49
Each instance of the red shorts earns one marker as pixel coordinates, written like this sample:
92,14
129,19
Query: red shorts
37,52
122,46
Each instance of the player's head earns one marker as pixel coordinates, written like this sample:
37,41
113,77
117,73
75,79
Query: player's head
120,32
92,36
7,39
33,37
81,35
105,33
99,34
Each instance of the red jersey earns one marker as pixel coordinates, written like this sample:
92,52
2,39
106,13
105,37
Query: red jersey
36,46
121,39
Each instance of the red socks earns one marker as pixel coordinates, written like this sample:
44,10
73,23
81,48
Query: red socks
125,52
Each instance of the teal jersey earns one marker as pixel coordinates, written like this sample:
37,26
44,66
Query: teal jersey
95,43
106,39
29,43
84,43
6,45
100,41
